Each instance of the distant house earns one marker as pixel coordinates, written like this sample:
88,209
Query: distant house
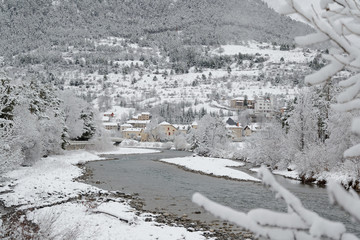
247,131
111,126
144,116
125,126
194,125
242,103
263,106
132,133
138,123
167,128
236,132
141,117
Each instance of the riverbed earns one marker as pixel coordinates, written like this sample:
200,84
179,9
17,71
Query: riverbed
168,188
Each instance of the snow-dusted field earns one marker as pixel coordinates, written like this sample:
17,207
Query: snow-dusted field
214,166
50,184
296,55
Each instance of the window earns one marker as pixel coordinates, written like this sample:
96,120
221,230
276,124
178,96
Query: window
169,133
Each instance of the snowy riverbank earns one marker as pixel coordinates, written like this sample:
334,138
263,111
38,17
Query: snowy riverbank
50,197
344,178
212,166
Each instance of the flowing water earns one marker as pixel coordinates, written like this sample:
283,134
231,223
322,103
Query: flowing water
167,188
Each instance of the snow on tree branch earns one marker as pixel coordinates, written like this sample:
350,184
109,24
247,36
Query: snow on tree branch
298,223
350,202
339,22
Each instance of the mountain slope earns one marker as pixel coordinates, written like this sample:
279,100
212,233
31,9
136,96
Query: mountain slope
28,25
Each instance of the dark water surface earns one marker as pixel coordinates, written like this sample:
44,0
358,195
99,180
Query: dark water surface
168,188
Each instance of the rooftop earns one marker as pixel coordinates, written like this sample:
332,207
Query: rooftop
164,124
132,130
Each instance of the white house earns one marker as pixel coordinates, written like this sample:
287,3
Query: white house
263,106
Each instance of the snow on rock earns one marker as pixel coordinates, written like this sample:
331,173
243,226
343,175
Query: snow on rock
215,166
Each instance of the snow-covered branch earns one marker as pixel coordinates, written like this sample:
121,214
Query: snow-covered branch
297,223
337,21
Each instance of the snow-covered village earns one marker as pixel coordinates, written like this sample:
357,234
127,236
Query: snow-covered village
177,119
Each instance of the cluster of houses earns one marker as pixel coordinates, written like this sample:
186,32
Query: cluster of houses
135,128
259,105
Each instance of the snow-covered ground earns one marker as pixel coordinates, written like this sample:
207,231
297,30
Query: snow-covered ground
97,224
49,186
285,173
126,151
214,166
296,55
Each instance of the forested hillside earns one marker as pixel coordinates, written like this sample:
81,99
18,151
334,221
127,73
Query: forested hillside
27,25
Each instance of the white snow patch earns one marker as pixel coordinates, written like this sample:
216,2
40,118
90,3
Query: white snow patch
215,166
288,174
126,151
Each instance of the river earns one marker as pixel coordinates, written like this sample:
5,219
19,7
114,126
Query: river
167,188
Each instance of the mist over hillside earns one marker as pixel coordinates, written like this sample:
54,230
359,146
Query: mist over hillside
27,25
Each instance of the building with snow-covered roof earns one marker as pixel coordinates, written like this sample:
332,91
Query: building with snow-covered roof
138,123
135,117
235,132
242,103
106,119
142,116
247,131
194,125
111,126
132,133
125,126
167,128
